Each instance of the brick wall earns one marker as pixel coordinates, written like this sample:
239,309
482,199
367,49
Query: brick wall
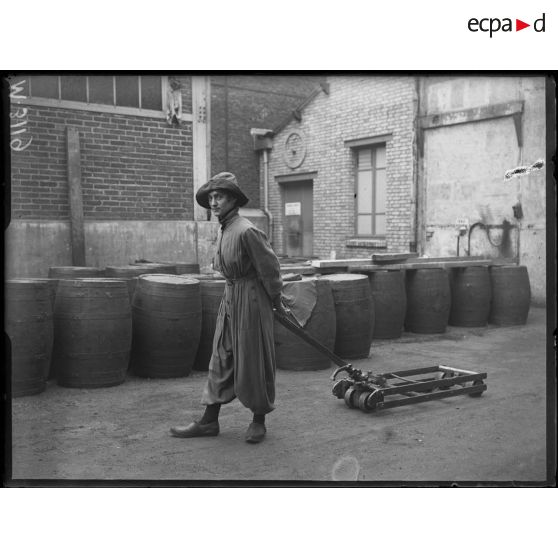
241,102
356,107
133,167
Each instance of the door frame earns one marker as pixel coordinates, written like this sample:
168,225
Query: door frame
284,181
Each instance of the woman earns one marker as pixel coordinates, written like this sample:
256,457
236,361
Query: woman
243,360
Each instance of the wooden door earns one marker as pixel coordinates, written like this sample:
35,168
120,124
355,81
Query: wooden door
298,236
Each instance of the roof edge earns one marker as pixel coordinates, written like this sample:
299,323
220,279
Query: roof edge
296,114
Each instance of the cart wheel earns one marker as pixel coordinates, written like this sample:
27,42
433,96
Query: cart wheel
373,398
351,397
479,393
340,388
362,401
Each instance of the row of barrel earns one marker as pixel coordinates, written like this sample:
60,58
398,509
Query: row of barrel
87,332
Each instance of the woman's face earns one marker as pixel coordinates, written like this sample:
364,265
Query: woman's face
221,202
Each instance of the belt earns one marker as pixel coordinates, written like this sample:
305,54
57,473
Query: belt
232,280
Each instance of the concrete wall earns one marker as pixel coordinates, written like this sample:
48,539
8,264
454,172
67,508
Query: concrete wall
463,166
31,247
356,107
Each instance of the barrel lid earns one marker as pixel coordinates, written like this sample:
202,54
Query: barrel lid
91,281
26,281
151,265
75,268
346,277
168,279
126,270
203,276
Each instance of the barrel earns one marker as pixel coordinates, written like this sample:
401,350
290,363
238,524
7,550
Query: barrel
511,295
150,267
470,296
72,272
92,332
167,315
211,291
354,314
29,325
390,303
184,268
428,300
129,273
291,352
52,286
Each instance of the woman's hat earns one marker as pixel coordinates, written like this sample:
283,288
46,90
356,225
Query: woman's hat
222,181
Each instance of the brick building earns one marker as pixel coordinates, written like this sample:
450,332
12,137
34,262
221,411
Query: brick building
242,102
342,140
348,166
374,164
142,146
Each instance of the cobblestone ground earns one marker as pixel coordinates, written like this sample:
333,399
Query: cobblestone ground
122,432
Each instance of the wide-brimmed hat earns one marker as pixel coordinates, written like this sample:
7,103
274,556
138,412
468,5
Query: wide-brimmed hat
222,181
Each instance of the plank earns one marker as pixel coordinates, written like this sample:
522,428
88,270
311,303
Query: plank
302,269
340,263
77,230
425,264
393,257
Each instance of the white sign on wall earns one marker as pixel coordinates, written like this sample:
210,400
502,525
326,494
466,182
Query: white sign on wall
292,208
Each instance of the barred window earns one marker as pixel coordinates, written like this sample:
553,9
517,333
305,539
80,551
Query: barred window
97,92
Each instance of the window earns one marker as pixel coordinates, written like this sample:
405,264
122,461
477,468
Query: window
126,94
371,190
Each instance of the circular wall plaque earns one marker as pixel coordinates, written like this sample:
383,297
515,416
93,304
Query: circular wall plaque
295,150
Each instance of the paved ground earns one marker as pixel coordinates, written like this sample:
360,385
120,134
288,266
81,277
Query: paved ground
122,432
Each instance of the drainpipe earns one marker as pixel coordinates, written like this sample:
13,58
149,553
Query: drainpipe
266,195
417,162
263,142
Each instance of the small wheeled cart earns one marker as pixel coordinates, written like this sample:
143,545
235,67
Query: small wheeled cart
371,392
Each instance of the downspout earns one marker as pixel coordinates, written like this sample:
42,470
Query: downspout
417,161
266,194
263,142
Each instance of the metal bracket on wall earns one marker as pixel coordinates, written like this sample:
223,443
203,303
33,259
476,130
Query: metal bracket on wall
476,114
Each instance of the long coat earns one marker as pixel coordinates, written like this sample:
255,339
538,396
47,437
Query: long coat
243,358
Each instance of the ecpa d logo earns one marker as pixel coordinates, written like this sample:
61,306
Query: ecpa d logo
492,25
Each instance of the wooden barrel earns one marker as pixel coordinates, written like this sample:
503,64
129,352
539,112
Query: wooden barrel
390,303
129,273
92,332
52,286
212,288
184,268
470,296
511,295
29,325
354,314
428,300
167,316
72,272
291,352
167,269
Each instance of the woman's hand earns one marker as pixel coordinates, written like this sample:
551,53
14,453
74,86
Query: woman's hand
277,303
